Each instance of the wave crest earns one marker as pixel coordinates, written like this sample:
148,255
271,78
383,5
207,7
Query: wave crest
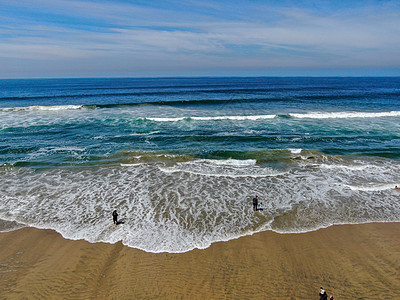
344,115
214,118
41,108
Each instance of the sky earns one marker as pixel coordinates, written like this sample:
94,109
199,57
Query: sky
128,38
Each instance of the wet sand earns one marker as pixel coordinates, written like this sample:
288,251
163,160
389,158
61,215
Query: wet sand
349,261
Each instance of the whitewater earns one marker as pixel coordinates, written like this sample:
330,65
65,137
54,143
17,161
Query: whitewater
181,159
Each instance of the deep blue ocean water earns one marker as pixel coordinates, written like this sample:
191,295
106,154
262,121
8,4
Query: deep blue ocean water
181,158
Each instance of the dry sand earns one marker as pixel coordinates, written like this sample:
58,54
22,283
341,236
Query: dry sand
349,261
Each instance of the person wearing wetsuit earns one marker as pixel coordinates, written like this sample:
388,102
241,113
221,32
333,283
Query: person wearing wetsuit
115,217
255,203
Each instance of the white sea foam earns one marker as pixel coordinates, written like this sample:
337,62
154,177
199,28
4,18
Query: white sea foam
344,115
230,162
166,119
176,210
295,151
67,149
353,168
138,134
233,118
309,115
42,108
46,151
222,168
373,187
227,174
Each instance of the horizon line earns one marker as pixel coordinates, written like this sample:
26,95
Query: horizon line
199,77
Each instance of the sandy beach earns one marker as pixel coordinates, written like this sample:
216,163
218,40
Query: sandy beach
349,261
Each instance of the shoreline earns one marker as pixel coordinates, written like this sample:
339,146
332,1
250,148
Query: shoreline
18,226
349,261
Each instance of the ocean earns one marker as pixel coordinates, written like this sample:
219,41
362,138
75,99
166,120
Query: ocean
181,159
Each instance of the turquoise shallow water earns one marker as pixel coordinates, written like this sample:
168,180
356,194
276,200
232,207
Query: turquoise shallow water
181,158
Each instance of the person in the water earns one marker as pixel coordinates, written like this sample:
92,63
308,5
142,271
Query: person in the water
115,217
255,203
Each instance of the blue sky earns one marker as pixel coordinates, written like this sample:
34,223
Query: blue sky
68,38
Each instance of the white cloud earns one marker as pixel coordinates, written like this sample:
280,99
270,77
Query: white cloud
282,38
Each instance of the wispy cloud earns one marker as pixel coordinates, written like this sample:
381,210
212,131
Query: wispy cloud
165,39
